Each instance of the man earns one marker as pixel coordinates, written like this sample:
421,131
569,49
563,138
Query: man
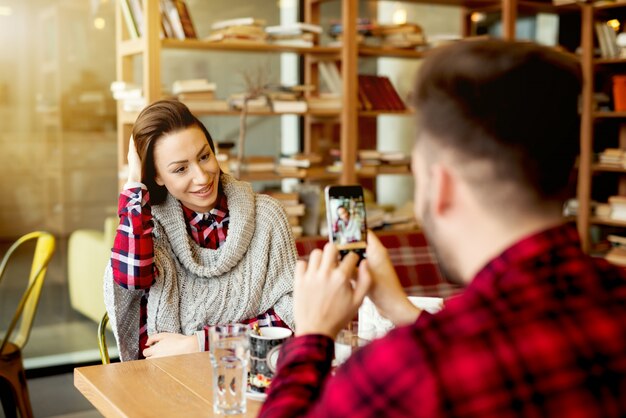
540,329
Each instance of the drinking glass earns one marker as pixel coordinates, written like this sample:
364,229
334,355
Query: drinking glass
230,351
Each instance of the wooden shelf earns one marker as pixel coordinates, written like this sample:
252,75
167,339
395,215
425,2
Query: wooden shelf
609,61
609,115
199,44
607,6
370,51
607,168
607,221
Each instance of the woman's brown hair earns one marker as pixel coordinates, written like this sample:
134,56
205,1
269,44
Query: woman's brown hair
155,121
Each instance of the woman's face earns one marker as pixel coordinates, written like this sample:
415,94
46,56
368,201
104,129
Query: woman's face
187,168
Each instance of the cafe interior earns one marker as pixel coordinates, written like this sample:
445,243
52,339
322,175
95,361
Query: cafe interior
70,90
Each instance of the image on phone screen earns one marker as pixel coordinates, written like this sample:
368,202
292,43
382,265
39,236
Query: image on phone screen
347,226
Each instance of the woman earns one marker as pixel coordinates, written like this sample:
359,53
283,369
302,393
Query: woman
195,247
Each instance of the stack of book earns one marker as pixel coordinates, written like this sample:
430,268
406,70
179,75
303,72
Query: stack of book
198,95
617,253
325,102
405,35
293,208
253,164
371,161
618,207
242,30
176,21
364,27
612,157
278,100
296,165
607,39
295,34
377,93
130,94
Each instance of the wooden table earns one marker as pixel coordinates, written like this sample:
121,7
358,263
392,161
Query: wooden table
177,386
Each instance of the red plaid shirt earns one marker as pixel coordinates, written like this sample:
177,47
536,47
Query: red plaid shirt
132,258
541,331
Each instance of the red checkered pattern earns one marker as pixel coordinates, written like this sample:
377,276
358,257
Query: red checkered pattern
540,332
416,266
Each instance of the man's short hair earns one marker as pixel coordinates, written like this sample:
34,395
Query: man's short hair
512,105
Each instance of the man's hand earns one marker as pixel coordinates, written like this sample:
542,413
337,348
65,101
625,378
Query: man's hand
325,296
170,344
134,163
385,290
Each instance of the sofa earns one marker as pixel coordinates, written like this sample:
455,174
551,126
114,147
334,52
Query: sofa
87,256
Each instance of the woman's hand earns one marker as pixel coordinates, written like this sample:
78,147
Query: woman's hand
170,344
134,163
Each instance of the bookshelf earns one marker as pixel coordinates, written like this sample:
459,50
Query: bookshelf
600,128
343,125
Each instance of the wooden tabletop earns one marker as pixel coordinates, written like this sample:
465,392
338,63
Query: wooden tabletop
177,386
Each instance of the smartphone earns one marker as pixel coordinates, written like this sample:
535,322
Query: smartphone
345,212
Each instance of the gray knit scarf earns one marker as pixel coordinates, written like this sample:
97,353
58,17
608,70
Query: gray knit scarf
251,272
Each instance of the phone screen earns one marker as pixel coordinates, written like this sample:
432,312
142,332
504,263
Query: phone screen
346,219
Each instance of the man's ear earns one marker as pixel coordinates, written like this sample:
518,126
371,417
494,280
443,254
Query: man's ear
442,189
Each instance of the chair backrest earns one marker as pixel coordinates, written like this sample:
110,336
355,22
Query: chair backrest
102,339
27,306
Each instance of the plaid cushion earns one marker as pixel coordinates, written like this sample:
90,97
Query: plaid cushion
411,257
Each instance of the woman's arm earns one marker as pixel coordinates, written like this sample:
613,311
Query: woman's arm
132,255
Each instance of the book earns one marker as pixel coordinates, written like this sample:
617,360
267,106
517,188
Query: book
331,77
294,210
289,106
170,9
136,10
185,19
241,21
207,106
300,160
192,85
294,28
131,25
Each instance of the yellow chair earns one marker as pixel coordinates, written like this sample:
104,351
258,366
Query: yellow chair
102,339
11,364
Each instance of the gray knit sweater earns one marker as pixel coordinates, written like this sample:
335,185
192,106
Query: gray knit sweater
251,272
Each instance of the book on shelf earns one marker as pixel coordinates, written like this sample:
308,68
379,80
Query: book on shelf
331,77
131,24
196,96
184,16
300,160
294,210
240,21
254,164
193,86
294,28
136,11
206,105
618,207
377,93
613,157
289,106
285,198
174,25
325,101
